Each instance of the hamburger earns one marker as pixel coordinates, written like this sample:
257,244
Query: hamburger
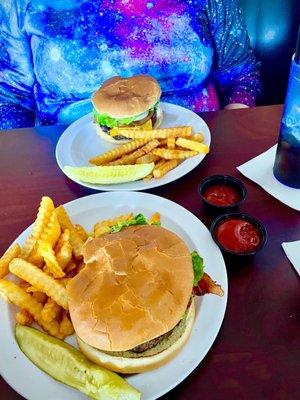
126,102
131,304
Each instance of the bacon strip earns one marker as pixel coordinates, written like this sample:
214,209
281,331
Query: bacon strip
207,285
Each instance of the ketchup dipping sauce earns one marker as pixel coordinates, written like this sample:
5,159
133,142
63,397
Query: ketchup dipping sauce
221,195
238,233
221,192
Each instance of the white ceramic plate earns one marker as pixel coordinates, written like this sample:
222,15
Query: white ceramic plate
34,384
79,142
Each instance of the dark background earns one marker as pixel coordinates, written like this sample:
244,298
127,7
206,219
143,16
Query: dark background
273,28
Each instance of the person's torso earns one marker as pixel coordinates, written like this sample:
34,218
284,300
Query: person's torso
76,45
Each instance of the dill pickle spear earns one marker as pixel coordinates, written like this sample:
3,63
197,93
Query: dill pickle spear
67,365
111,174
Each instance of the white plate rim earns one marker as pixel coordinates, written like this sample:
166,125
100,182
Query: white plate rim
70,206
184,168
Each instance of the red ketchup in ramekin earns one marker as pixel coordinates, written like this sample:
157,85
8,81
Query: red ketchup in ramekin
238,235
221,195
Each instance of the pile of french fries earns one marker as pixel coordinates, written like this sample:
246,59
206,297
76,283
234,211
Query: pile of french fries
49,258
165,147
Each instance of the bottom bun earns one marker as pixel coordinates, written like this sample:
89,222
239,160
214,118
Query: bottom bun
105,136
128,365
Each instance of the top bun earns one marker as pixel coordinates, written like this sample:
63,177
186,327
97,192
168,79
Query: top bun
135,287
126,97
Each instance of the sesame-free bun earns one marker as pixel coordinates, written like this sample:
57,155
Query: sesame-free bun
126,97
136,286
129,365
106,136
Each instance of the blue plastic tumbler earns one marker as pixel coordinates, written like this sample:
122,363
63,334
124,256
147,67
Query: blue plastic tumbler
287,161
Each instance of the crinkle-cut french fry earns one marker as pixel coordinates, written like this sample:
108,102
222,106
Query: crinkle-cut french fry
50,310
40,280
163,142
50,235
103,227
117,152
147,158
64,237
148,177
66,223
166,167
40,297
64,255
192,145
52,232
66,327
24,318
132,157
164,133
37,294
64,219
35,258
127,159
81,231
174,154
154,219
46,270
11,292
171,143
160,163
70,267
147,148
198,137
13,252
24,285
116,131
30,288
52,264
45,209
150,146
76,243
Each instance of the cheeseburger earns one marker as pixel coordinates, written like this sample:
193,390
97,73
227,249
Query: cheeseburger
126,102
131,305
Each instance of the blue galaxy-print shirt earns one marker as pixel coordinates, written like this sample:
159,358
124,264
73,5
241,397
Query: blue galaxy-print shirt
55,54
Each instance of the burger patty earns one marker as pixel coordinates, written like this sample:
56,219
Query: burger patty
154,117
151,343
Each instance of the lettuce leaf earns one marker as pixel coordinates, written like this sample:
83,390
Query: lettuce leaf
139,219
105,120
198,267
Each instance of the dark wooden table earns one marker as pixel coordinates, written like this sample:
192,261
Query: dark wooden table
257,352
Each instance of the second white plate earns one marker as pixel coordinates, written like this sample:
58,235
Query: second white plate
34,384
79,142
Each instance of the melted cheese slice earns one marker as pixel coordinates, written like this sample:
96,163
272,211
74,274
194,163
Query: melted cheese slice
147,126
